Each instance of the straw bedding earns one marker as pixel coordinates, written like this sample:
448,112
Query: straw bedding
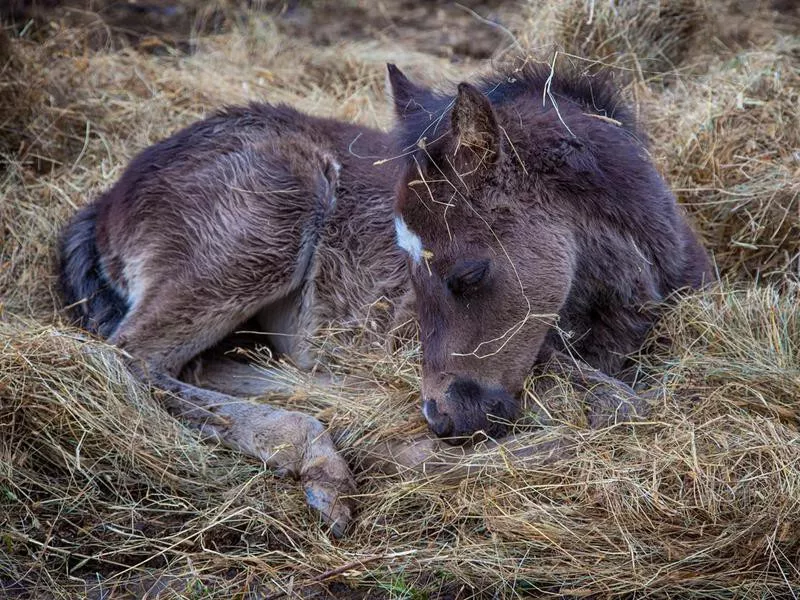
102,494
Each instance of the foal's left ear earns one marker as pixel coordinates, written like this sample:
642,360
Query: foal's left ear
474,122
408,97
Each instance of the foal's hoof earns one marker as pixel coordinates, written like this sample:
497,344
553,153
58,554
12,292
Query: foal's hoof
336,512
297,445
327,484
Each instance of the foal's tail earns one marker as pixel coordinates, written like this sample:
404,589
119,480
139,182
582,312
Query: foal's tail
94,304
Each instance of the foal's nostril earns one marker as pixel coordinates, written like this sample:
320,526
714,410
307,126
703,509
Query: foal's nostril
442,426
439,423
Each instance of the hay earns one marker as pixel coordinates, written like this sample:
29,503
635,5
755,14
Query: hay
731,140
120,494
651,37
103,493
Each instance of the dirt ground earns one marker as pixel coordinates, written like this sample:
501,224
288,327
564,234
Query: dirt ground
102,495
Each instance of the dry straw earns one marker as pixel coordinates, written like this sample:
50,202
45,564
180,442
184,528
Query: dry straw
101,491
731,139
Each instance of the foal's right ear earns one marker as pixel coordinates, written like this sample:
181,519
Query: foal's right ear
408,97
474,123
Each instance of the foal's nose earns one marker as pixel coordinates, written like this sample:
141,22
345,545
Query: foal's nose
440,423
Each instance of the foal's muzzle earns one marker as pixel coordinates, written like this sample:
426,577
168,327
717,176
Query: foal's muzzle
469,407
439,423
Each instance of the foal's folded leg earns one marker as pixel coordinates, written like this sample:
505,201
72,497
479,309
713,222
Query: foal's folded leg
428,455
609,401
289,442
166,336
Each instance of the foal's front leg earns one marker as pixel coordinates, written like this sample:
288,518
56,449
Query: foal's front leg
608,400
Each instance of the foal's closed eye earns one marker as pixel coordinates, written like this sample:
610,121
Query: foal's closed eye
467,276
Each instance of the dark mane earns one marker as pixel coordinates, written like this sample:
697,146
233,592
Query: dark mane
594,92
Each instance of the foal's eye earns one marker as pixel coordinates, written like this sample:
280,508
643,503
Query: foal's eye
467,276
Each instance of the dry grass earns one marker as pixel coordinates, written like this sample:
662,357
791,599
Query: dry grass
651,37
731,138
101,491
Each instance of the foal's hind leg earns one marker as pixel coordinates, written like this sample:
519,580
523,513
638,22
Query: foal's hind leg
167,334
289,442
242,379
246,379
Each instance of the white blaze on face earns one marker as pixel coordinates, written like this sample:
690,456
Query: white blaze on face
408,240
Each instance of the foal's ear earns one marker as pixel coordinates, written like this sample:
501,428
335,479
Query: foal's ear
474,123
408,97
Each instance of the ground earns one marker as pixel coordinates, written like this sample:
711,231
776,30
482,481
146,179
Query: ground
103,495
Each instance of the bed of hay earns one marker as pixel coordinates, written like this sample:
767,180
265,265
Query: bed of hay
103,495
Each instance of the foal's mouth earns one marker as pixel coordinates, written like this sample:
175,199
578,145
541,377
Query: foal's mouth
471,412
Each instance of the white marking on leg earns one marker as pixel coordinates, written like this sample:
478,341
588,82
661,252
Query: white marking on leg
133,275
408,240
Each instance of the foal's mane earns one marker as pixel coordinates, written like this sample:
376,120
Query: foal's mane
594,92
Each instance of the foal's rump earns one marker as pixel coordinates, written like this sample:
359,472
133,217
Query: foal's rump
214,223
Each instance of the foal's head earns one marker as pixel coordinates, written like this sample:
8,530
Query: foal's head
490,242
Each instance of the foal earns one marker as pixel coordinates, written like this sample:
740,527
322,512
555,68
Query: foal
521,216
